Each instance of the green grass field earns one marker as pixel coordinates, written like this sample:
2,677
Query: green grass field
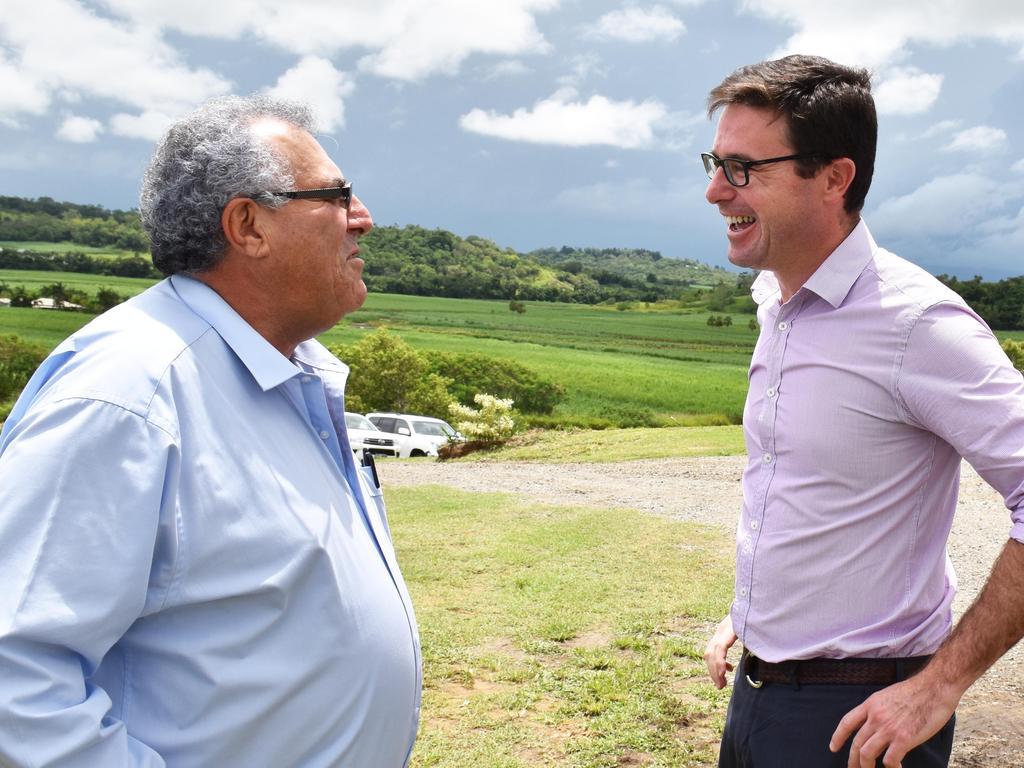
561,636
66,247
32,280
618,367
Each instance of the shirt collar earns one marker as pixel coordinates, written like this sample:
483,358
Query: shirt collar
835,277
266,364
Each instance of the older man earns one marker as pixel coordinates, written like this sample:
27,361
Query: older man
869,382
195,570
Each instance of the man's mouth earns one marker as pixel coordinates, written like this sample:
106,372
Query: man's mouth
739,223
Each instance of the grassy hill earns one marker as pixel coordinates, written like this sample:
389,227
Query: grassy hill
650,365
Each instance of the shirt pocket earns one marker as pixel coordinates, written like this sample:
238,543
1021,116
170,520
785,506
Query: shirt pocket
375,497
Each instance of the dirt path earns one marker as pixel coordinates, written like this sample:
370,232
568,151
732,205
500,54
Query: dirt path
990,719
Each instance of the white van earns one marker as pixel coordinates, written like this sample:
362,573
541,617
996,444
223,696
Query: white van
415,435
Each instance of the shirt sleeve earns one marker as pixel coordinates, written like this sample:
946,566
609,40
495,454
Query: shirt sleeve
83,486
956,382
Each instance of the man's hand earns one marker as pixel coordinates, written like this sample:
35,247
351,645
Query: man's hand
895,720
716,650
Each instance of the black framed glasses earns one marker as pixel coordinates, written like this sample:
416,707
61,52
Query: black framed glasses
342,193
737,172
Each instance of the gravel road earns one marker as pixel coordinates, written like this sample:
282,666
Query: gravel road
990,719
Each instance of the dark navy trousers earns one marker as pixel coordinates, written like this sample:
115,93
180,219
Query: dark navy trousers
786,726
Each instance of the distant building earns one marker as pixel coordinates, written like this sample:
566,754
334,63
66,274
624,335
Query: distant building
45,302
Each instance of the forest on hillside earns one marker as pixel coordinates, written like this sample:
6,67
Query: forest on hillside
408,260
414,260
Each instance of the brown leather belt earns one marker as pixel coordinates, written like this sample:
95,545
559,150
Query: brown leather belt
831,671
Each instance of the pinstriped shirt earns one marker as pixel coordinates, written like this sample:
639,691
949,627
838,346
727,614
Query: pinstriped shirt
866,389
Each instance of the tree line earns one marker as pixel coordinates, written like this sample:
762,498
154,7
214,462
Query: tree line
408,260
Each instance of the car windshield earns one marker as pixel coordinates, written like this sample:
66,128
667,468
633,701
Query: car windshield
355,421
433,428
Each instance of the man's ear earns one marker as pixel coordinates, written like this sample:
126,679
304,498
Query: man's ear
242,223
839,175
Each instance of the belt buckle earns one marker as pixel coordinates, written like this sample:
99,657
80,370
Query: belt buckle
752,683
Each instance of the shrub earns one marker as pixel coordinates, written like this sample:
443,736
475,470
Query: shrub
18,361
1015,351
493,421
472,373
389,375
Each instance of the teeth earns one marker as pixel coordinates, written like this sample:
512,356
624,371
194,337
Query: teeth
740,220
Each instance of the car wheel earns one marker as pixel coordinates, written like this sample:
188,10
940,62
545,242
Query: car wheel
417,452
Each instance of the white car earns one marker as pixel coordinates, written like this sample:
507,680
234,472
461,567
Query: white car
415,435
363,434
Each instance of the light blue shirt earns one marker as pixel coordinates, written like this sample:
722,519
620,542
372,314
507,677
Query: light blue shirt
194,571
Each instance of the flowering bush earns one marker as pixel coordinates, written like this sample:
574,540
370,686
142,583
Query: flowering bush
492,422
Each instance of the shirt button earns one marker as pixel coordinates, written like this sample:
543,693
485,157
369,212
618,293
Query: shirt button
783,325
753,524
767,458
324,434
770,392
306,379
743,592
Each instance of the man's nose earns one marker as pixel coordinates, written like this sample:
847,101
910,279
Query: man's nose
719,188
359,216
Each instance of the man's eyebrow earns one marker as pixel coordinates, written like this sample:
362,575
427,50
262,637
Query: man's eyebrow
734,156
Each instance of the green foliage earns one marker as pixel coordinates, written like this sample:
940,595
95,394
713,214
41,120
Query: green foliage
50,221
721,297
76,261
21,297
720,321
1015,351
632,268
18,361
1000,304
493,420
517,306
470,373
389,375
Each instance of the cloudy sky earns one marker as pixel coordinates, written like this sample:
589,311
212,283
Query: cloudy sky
531,122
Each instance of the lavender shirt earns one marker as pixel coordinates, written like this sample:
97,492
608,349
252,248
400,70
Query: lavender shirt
866,388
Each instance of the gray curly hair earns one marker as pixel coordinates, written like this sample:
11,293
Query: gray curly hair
205,160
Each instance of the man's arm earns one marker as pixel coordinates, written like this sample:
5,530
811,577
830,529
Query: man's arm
716,651
902,716
81,483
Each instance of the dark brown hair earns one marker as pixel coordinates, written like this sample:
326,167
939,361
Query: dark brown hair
828,110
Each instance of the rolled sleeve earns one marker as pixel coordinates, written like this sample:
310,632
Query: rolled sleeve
83,491
956,381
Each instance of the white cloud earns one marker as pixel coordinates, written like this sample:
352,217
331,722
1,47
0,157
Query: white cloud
946,206
315,81
941,128
504,69
150,125
84,54
876,33
582,66
907,91
981,138
406,39
558,120
637,25
79,130
19,94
